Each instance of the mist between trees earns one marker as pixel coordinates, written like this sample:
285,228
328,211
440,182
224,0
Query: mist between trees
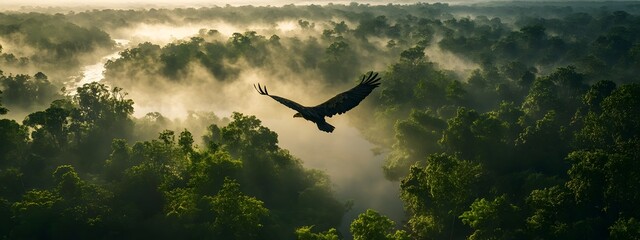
496,120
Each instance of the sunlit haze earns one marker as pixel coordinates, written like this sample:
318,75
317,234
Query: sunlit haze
121,4
191,3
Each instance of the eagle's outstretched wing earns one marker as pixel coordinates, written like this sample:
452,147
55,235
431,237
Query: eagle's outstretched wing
291,104
345,101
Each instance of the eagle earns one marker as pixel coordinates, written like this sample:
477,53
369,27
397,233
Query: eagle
339,104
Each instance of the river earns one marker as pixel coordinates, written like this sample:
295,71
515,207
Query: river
95,72
344,155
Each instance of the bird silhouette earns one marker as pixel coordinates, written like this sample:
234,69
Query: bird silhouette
339,104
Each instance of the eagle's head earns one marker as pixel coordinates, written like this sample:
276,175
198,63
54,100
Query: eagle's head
297,115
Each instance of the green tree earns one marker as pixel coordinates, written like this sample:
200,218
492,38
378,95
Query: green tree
370,25
119,160
372,225
185,141
337,49
625,229
13,142
416,138
553,215
299,197
496,219
34,214
209,173
549,138
304,233
340,27
340,61
479,137
616,124
73,209
98,116
182,204
439,192
51,129
6,220
3,110
413,55
541,99
28,93
597,93
237,216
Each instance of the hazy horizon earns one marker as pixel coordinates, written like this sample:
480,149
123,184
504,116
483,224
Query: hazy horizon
123,4
189,3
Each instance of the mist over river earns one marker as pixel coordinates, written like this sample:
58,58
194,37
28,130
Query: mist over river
344,155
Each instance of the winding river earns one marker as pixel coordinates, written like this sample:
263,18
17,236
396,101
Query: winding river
95,72
344,155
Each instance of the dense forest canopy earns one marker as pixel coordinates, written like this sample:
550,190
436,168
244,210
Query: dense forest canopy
497,120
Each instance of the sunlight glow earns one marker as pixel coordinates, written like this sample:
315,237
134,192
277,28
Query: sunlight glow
287,26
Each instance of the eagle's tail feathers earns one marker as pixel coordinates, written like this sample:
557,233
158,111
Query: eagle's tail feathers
324,126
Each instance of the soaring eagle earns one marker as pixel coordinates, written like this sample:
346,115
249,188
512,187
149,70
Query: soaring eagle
339,104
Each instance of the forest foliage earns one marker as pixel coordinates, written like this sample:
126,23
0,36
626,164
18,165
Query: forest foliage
537,139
